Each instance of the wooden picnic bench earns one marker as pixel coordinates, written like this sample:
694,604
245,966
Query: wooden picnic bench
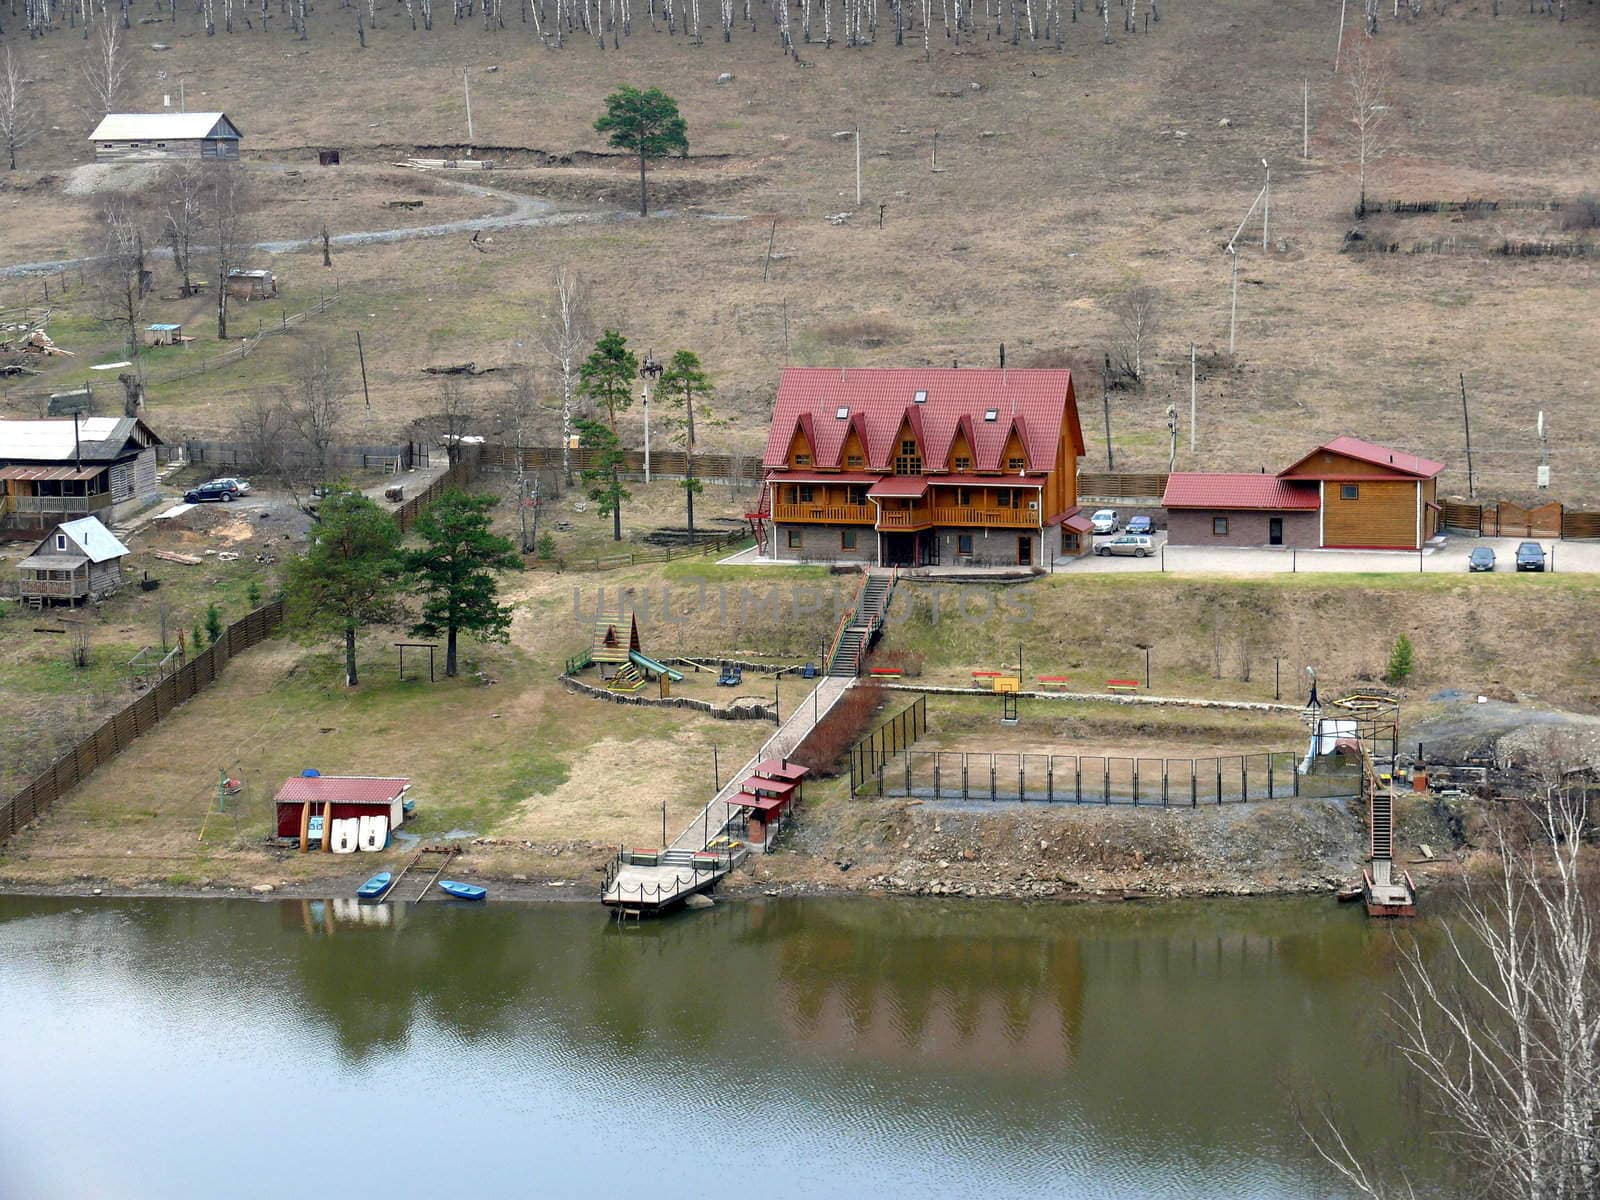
1123,685
886,672
1054,681
984,678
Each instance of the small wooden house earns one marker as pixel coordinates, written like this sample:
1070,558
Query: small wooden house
616,639
337,797
162,334
77,560
252,285
61,468
141,137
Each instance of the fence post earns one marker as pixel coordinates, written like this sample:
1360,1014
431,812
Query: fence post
1077,779
1244,777
965,793
1194,786
1163,783
1270,780
908,772
1219,781
1050,780
992,795
1136,783
935,774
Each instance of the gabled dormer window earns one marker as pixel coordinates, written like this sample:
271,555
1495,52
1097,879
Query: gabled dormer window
963,463
1015,464
909,460
802,460
855,460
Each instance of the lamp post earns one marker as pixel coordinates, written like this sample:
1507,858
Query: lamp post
649,371
1266,203
1145,646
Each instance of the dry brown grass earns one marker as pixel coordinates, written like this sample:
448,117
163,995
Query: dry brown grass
1026,236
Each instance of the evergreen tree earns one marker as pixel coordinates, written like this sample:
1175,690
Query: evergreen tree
349,576
647,123
213,624
686,385
606,376
1400,661
605,485
454,572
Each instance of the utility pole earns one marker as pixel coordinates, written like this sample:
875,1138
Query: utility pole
1105,400
1466,425
858,166
1305,119
1191,397
1266,203
362,355
1172,429
934,165
1233,311
466,86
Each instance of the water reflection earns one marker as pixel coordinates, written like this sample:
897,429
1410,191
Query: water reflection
1137,1050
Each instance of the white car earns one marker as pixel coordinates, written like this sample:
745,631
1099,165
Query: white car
1137,544
1105,521
240,487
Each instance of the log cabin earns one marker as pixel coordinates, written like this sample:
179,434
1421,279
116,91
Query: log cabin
77,560
923,467
65,467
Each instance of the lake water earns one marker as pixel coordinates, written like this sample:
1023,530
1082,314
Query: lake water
779,1048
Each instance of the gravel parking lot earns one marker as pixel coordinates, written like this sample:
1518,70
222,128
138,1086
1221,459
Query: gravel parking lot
1449,555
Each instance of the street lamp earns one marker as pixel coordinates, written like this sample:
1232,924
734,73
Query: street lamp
1145,646
649,371
1266,203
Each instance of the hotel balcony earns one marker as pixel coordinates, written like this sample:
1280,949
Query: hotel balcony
828,514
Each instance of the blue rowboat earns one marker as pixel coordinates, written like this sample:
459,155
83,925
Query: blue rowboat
462,891
374,888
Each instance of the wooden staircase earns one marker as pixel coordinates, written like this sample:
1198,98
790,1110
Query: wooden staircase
862,625
627,679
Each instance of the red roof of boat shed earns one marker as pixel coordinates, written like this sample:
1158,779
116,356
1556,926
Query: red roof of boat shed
343,789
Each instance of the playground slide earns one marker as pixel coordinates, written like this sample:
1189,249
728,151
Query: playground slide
655,668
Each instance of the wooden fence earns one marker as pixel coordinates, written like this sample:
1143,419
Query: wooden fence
458,476
402,456
613,562
1121,485
1506,519
669,464
1101,779
139,717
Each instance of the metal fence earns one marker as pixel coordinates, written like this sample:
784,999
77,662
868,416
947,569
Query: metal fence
1099,779
894,736
668,464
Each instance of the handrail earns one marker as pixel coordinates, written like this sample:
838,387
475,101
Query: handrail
845,619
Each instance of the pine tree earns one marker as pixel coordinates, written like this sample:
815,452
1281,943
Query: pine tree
213,624
605,485
686,386
647,123
454,572
349,576
607,375
1400,662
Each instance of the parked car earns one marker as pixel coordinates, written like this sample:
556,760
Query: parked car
214,490
1105,521
1137,544
1481,559
241,487
1530,556
1141,525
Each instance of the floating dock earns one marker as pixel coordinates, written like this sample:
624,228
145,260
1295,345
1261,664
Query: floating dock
648,883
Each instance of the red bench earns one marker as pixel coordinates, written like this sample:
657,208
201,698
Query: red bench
886,672
985,678
1123,685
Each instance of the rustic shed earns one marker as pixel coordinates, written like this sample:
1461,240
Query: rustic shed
136,137
338,797
162,334
77,560
252,285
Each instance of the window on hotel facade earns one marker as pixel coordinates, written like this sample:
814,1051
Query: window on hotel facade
908,461
802,460
794,539
855,460
964,497
847,539
858,493
1349,491
1005,497
1015,464
963,463
807,493
1219,526
963,543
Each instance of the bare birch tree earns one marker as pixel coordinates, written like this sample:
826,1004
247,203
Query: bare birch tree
1138,316
1366,90
1502,1023
566,327
19,114
182,201
228,200
122,273
263,433
105,64
313,408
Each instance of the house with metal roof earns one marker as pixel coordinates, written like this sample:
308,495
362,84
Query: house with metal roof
1345,494
328,798
141,137
923,466
77,560
61,468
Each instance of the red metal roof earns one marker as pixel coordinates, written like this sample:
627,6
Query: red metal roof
765,804
777,768
343,789
1077,522
776,787
899,485
876,402
804,475
1200,489
1397,461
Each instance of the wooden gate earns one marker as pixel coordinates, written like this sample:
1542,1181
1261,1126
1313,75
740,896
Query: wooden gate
1512,520
1468,518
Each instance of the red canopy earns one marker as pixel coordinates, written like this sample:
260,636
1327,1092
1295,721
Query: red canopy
777,768
762,804
770,787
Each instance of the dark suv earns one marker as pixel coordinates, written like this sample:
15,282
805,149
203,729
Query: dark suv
1530,556
215,490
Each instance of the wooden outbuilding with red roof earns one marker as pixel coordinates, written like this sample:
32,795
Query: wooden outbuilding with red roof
922,466
1345,494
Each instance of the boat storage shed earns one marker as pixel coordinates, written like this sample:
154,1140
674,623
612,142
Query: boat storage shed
338,798
143,137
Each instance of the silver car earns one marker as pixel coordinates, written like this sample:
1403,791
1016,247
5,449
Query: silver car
239,487
1136,544
1105,521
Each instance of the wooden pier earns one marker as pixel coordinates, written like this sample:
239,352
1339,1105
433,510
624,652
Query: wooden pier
636,889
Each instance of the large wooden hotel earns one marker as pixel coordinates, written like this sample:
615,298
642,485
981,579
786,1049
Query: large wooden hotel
925,467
